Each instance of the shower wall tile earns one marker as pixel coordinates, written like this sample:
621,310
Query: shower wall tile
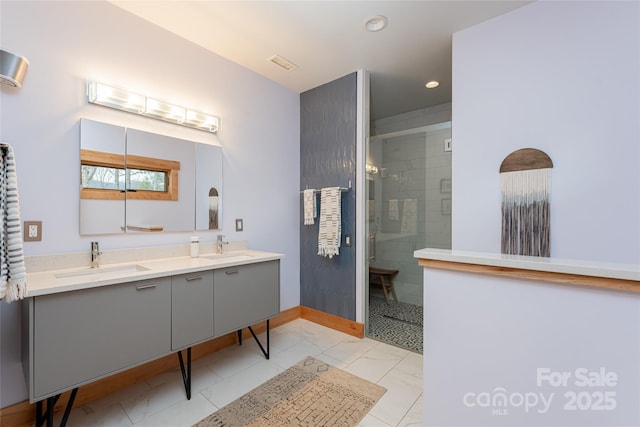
414,170
328,159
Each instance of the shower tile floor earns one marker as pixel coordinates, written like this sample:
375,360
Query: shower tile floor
397,323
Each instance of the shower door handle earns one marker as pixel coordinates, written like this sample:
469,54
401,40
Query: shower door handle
372,247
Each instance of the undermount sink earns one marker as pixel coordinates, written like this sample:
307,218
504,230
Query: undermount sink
226,256
88,271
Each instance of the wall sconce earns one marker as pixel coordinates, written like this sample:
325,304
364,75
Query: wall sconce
372,169
12,69
121,99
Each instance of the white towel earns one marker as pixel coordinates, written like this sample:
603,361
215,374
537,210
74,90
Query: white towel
409,223
394,210
13,277
329,234
310,207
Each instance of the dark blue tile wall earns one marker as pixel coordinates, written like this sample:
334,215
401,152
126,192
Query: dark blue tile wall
328,159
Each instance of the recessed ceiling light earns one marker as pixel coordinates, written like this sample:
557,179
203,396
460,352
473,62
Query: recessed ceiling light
376,23
432,84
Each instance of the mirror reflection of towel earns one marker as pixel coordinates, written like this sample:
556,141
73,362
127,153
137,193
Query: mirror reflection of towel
394,210
409,216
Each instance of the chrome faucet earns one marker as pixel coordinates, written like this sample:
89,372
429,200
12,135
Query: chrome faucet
220,244
95,255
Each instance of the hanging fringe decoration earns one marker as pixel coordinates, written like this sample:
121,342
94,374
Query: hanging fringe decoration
525,179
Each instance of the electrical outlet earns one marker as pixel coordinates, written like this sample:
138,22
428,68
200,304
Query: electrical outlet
33,231
239,224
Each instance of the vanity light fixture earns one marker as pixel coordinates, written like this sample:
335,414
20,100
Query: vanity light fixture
121,99
164,111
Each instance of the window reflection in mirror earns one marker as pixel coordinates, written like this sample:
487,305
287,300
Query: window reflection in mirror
147,212
101,215
161,183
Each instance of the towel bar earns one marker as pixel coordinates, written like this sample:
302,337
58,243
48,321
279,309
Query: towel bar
342,189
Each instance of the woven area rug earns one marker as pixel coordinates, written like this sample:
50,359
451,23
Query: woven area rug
310,393
398,323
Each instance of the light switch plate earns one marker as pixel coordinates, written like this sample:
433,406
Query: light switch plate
447,144
239,224
32,231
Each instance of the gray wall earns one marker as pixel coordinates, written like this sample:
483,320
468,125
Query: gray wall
328,159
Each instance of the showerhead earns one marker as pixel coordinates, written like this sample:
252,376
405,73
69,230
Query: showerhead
12,69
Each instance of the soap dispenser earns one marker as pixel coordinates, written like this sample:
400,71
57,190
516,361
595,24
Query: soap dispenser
195,246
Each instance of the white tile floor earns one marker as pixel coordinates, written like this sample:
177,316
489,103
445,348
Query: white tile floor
221,377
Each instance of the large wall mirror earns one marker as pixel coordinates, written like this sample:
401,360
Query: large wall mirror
140,182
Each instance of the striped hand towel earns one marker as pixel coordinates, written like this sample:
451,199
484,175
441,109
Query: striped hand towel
329,234
310,207
13,277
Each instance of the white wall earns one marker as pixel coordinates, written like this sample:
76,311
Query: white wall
487,336
561,77
68,42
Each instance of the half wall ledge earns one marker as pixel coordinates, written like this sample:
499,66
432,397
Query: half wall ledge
621,277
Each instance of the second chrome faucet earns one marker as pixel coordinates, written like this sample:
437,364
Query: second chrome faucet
220,244
95,255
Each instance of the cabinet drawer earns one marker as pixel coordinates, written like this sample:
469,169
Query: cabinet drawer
191,309
83,335
245,295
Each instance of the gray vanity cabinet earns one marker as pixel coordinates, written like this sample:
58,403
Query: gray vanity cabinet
191,309
76,337
244,295
83,335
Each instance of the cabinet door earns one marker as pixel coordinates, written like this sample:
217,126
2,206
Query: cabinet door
83,335
191,309
245,295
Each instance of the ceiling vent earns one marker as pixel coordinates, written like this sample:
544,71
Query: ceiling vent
282,62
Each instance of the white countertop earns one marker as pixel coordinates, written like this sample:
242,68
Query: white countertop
55,281
554,265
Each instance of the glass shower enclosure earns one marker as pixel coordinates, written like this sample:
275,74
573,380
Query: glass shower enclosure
409,208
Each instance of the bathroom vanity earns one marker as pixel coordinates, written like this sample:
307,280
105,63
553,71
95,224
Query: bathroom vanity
84,324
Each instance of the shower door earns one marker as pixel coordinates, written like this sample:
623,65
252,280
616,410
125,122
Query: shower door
409,208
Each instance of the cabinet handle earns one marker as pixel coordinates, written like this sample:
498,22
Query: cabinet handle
191,279
234,271
143,287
